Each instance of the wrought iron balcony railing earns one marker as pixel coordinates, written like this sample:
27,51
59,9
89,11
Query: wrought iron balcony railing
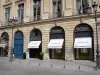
12,22
39,17
56,15
36,18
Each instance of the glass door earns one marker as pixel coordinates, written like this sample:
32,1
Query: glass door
82,54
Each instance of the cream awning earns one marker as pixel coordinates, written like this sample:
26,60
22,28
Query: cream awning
34,44
55,43
84,42
3,45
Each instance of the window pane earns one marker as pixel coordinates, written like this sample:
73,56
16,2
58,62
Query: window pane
37,9
7,14
21,11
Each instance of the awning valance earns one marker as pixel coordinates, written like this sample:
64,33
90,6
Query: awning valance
34,44
84,42
55,43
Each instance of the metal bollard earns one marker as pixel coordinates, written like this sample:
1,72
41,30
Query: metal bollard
39,64
64,66
51,65
79,67
95,68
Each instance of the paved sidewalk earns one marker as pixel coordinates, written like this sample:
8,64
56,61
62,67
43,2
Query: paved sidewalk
78,65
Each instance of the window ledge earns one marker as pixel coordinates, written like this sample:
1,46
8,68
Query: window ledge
19,1
8,3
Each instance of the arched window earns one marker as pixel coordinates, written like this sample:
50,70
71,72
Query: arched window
83,42
5,36
57,33
35,45
35,35
4,41
83,30
57,43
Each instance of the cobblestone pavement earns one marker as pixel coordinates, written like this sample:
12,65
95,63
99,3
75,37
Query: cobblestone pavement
69,65
41,67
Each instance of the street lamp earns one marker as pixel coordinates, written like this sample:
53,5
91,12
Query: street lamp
94,6
11,53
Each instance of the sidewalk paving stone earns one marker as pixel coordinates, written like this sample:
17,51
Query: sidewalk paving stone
53,63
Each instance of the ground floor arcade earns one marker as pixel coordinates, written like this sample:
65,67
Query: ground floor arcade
61,40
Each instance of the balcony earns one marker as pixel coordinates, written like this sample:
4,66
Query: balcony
34,18
6,23
39,18
56,15
11,22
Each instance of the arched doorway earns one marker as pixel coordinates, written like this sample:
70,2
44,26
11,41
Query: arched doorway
4,43
57,43
18,44
35,45
83,42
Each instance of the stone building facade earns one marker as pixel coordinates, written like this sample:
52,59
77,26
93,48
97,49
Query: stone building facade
42,17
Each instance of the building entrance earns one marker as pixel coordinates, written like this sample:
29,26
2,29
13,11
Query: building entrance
34,53
35,45
56,53
56,45
18,44
4,43
83,42
1,51
83,54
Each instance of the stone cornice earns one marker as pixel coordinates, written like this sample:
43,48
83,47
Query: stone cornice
67,18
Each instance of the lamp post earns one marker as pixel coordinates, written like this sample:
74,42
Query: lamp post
11,53
94,6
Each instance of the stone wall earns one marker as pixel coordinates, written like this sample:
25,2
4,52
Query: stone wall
45,27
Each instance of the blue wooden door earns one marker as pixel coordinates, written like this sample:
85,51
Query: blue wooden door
18,45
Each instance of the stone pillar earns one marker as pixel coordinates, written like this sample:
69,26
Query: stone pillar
27,10
68,7
26,33
13,14
46,9
11,41
74,9
45,41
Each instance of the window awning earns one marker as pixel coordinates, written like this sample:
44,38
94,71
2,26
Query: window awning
34,44
83,42
55,43
3,45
